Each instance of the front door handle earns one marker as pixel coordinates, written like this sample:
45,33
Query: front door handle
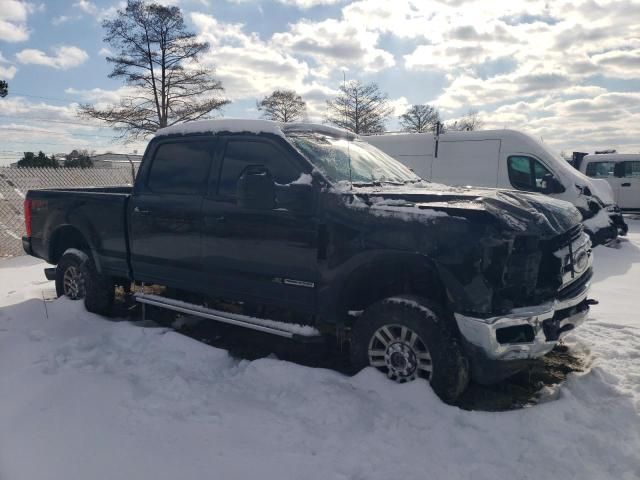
140,211
625,185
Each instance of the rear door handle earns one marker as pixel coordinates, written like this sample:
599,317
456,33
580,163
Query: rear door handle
140,211
625,185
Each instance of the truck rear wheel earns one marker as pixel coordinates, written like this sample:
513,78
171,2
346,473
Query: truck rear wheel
406,339
69,277
99,289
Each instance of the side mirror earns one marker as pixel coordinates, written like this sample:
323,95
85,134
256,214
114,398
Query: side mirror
551,185
256,189
298,198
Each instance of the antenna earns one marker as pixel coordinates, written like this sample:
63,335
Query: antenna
344,87
438,125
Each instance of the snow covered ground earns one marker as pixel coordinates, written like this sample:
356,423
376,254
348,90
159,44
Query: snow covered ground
83,397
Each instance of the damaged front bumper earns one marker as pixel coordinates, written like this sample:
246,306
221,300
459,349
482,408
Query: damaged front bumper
500,346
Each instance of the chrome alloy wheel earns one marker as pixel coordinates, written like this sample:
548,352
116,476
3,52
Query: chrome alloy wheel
399,352
73,283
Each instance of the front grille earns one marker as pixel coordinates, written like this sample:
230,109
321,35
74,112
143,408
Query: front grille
575,287
566,238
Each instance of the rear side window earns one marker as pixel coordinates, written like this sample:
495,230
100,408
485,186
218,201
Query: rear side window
632,169
600,169
180,168
526,173
240,154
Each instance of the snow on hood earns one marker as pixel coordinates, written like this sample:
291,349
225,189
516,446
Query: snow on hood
519,211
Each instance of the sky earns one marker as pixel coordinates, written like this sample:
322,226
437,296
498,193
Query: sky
566,72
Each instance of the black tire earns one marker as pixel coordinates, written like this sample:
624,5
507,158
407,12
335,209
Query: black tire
99,289
69,270
450,368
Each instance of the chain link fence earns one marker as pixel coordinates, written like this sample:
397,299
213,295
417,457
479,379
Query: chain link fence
15,182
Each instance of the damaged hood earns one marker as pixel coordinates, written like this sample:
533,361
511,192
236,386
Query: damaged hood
516,210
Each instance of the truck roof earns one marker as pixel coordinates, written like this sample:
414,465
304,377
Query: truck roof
611,157
244,125
458,135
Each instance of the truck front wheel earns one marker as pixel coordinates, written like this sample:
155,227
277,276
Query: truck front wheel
405,338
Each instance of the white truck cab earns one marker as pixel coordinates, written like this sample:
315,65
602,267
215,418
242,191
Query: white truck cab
501,159
621,171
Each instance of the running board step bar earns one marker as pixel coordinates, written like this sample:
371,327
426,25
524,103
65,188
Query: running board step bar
282,329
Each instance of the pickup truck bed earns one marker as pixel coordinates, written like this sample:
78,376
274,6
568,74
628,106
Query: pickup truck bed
98,214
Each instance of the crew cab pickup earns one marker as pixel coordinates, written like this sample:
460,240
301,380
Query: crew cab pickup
307,232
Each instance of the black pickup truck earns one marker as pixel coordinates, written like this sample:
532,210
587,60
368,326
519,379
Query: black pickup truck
307,232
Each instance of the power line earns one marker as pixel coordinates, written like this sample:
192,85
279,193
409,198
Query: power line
25,117
53,132
55,99
37,142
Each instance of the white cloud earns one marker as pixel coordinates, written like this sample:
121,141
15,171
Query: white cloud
63,57
400,106
333,43
99,13
247,66
38,125
308,3
13,20
7,73
105,52
100,96
87,7
618,63
60,19
7,70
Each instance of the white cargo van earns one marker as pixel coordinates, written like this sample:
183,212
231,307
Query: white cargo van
621,171
503,159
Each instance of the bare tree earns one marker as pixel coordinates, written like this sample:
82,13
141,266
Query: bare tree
471,121
157,56
420,119
283,106
360,108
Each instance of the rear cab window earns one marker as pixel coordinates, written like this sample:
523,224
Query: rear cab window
632,169
601,169
180,168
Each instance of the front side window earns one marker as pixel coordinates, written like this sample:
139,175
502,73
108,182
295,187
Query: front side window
527,173
180,168
632,169
240,154
600,169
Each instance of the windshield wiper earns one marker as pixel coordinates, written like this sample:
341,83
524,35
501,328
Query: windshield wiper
377,183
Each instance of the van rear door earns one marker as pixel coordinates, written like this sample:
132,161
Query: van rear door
414,151
467,162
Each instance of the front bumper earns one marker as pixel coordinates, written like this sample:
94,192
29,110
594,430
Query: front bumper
618,220
500,346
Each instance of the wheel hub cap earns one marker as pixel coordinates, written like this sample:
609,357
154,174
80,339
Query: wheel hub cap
400,358
73,283
400,353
